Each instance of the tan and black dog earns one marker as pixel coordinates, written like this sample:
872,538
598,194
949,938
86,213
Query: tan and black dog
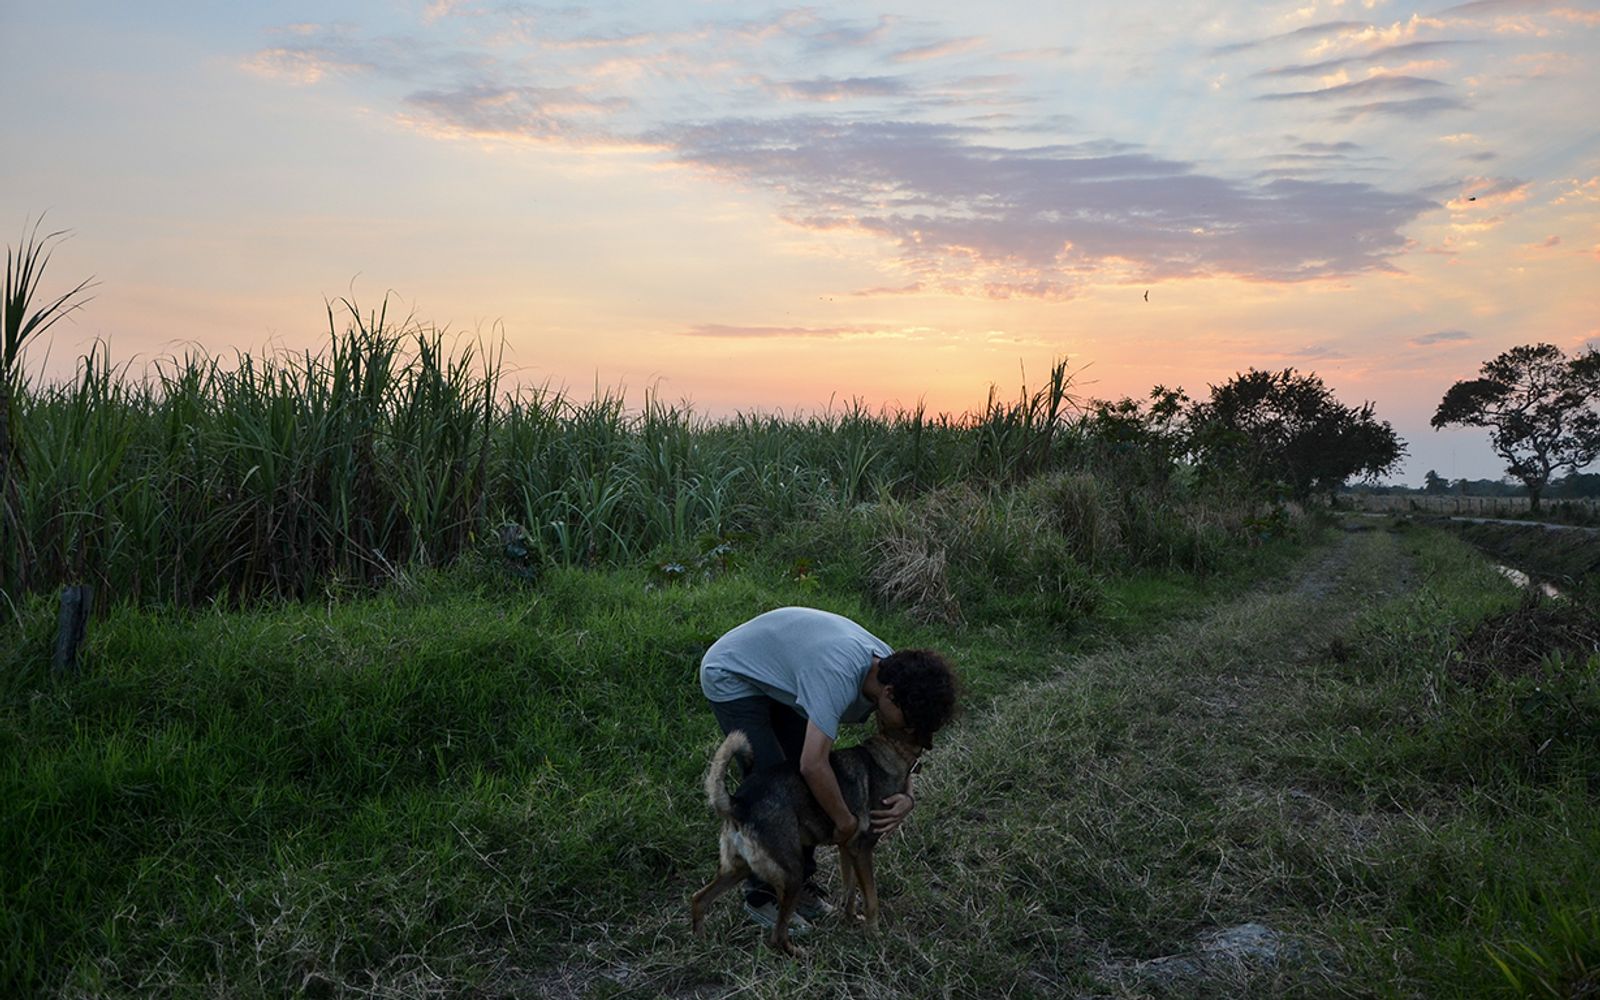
772,817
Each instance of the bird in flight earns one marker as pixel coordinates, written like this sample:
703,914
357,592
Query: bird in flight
1147,295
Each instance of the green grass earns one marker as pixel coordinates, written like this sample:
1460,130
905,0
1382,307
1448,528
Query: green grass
1297,757
462,766
216,768
471,781
1490,789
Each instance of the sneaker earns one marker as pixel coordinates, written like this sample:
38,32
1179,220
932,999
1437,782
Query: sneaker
764,911
813,903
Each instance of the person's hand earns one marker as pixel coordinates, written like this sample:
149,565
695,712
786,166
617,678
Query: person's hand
895,809
843,832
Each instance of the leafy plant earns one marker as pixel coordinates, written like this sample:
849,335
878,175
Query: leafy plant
1563,961
21,322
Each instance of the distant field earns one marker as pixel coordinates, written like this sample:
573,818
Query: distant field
1458,505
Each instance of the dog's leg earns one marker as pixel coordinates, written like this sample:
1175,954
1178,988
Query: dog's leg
788,897
869,886
847,871
726,879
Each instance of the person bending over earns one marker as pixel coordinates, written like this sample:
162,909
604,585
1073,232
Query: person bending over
788,678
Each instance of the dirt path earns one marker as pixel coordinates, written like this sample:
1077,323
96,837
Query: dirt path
1131,827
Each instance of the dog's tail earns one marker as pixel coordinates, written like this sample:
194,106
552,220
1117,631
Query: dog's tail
737,744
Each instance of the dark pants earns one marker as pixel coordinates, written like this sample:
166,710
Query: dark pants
776,733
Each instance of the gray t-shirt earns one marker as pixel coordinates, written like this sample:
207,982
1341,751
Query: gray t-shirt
813,661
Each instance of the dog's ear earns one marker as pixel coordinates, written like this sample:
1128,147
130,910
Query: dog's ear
924,740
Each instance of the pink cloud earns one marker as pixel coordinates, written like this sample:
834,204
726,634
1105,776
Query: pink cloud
938,50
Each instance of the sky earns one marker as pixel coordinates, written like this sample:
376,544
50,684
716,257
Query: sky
779,208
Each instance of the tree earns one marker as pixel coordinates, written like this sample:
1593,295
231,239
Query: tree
1435,483
1579,484
1286,430
1138,444
1540,408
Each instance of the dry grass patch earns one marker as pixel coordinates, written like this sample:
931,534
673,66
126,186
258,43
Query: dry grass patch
1527,639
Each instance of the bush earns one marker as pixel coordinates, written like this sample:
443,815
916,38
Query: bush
961,553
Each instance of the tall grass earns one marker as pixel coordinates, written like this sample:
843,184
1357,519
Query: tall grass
22,320
287,474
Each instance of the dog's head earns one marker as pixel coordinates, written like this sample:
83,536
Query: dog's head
907,742
900,732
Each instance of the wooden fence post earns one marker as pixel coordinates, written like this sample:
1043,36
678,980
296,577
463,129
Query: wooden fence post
70,626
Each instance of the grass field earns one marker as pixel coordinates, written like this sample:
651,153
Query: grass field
1308,758
392,693
469,785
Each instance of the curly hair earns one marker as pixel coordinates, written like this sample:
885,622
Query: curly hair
924,689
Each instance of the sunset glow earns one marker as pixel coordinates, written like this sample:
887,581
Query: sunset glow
760,207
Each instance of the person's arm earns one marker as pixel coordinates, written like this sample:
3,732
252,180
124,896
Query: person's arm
818,772
895,809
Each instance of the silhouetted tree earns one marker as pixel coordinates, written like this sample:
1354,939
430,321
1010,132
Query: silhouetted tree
1435,483
1540,408
1286,430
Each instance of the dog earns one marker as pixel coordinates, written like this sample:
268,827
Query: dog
772,817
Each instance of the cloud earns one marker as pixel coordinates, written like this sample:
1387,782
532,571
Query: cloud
1485,192
303,65
1497,8
1372,86
1579,190
1547,243
911,289
310,52
1310,31
1001,221
1379,55
938,50
1587,18
1440,337
764,332
520,112
437,9
1316,352
1378,87
1421,107
825,88
850,35
982,205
